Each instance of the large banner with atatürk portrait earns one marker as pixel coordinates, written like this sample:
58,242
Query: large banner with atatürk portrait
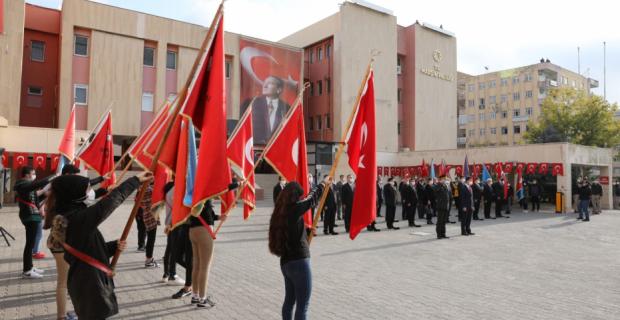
270,80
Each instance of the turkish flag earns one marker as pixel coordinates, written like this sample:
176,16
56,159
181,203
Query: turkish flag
362,152
39,160
489,167
476,171
67,143
543,168
181,210
20,159
5,159
209,95
531,168
55,158
286,152
99,154
150,136
558,168
240,152
161,176
498,169
508,167
447,169
379,171
520,167
458,170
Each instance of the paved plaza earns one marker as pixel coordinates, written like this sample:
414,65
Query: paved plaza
531,266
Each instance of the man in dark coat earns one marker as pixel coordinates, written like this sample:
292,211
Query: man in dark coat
338,189
347,201
597,194
410,201
268,110
489,197
442,205
585,195
430,198
467,206
389,192
379,197
477,188
278,188
401,191
422,200
498,192
329,209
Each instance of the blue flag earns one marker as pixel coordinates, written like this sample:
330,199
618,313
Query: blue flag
466,168
191,165
62,162
485,173
432,169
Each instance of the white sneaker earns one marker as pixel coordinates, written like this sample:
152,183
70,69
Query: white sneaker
37,270
164,279
525,211
176,282
31,275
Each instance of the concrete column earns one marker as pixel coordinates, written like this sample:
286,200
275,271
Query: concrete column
607,198
564,185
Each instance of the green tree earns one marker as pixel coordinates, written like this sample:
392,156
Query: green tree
569,115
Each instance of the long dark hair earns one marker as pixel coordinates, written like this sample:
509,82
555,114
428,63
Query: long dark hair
50,209
278,237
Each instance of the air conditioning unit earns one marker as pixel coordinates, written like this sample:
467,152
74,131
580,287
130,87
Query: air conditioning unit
398,70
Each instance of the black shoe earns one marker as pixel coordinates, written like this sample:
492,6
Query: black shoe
396,221
376,230
379,216
195,300
417,225
443,237
429,223
586,220
182,293
333,233
476,218
481,219
325,232
464,234
453,222
206,303
579,218
335,226
507,217
395,228
494,218
142,249
472,234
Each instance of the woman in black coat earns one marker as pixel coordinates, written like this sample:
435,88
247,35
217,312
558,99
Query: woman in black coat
91,290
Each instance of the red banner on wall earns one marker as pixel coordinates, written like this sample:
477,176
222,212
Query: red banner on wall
1,16
39,160
270,79
604,180
5,158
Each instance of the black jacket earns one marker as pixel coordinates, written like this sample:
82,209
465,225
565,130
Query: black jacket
478,190
276,192
91,291
26,191
535,190
297,239
442,196
379,193
429,195
330,200
207,213
597,189
408,195
466,199
498,191
420,191
390,194
585,192
487,192
347,196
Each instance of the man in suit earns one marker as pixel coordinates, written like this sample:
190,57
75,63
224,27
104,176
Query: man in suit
401,190
488,196
597,194
338,189
422,200
389,193
500,199
347,200
477,188
430,198
268,109
467,206
329,209
379,196
410,201
278,188
442,205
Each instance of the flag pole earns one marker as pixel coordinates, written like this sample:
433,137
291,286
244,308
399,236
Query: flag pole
341,145
261,158
90,134
207,42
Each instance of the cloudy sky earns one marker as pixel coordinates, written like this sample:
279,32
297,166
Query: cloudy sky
497,34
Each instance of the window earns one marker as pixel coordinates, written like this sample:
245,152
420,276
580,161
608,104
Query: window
319,85
311,122
504,130
504,82
80,46
328,121
503,98
149,57
37,51
471,87
515,80
471,102
493,99
492,84
319,125
228,70
147,102
328,51
516,113
472,132
529,111
311,89
310,54
565,80
328,84
574,84
481,85
171,97
399,95
516,129
80,94
319,54
398,128
463,119
483,131
528,94
472,117
492,115
504,114
35,91
481,116
516,96
171,60
493,130
481,105
528,77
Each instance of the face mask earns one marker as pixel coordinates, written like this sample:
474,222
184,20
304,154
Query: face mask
282,183
33,177
90,197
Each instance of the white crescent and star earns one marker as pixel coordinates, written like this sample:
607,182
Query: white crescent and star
295,151
364,138
248,53
248,151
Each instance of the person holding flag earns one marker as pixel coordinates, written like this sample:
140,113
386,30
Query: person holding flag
521,193
500,197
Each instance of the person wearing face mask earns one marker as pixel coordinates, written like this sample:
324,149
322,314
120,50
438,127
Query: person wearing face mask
535,192
430,198
389,192
329,208
422,200
597,194
498,192
477,188
410,202
347,200
442,204
467,206
278,188
75,228
616,195
28,191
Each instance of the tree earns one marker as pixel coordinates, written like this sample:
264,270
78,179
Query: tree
569,115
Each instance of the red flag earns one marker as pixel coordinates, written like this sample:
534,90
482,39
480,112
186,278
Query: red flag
55,158
508,167
180,212
458,170
39,160
531,168
20,159
5,159
558,168
379,171
149,137
99,154
543,168
362,152
489,167
286,153
476,171
67,143
160,178
240,152
498,169
520,167
506,185
209,95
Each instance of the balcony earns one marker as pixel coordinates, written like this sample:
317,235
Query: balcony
461,140
522,118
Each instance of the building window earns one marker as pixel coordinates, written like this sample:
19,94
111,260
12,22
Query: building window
504,130
516,96
564,80
517,129
492,84
471,102
328,84
319,125
529,111
35,91
311,89
471,87
515,80
481,116
311,124
319,85
472,117
463,119
80,46
504,82
80,94
483,131
528,94
310,54
227,66
574,84
328,51
492,115
503,98
528,77
399,95
171,97
481,106
149,57
516,113
147,102
328,121
319,54
493,99
481,85
171,60
504,114
37,51
398,128
493,130
472,132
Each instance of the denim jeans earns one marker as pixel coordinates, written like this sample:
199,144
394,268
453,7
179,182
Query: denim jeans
37,240
583,209
298,287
